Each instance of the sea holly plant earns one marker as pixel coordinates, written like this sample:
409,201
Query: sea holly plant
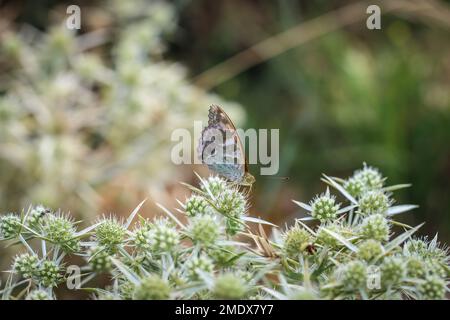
348,246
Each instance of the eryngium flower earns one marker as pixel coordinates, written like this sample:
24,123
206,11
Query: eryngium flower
229,286
152,288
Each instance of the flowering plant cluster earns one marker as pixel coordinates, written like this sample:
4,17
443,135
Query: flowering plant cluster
349,247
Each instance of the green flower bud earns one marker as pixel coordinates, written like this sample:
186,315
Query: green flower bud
60,230
27,265
141,237
324,208
416,267
10,226
426,250
152,288
373,202
230,287
393,271
197,205
204,230
432,288
196,264
100,259
369,250
296,241
36,215
50,274
370,177
375,227
231,202
110,233
215,185
354,186
353,275
437,267
163,237
326,239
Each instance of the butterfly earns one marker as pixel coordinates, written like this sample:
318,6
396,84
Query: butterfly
221,149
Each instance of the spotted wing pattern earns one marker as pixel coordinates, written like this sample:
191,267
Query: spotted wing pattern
220,147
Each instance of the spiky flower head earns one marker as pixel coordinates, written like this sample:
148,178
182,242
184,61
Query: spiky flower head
324,207
10,226
110,233
231,202
370,177
393,271
372,202
370,249
354,186
27,265
296,240
163,236
375,227
196,264
228,286
416,267
100,259
353,275
152,288
141,236
36,215
204,230
197,205
60,230
426,249
38,295
215,185
50,274
432,288
326,239
430,253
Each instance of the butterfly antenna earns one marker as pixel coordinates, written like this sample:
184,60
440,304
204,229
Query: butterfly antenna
277,178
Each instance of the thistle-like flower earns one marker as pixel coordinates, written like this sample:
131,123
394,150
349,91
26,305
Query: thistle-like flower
324,207
393,271
196,264
229,286
9,226
204,230
163,236
373,202
353,275
375,227
197,205
27,265
296,241
110,233
370,177
152,288
60,230
50,274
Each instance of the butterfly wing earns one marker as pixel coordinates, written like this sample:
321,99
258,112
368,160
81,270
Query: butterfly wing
231,163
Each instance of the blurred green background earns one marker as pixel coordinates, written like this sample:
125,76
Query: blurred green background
343,97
